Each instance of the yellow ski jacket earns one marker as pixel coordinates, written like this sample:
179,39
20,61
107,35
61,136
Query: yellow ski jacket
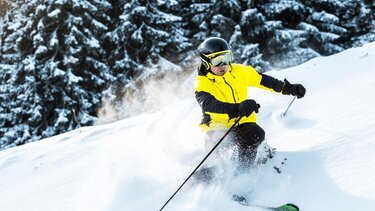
220,96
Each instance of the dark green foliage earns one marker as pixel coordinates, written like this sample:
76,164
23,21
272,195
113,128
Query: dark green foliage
53,68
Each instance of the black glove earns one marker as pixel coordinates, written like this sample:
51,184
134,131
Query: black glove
247,107
293,89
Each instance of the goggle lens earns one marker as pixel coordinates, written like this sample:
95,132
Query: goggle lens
221,60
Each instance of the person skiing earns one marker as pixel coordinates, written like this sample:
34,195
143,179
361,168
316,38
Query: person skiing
221,91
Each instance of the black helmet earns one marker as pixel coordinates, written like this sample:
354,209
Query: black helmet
213,45
210,46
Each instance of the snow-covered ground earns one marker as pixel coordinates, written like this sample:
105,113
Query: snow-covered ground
137,163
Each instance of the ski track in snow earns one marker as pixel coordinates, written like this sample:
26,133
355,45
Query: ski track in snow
137,163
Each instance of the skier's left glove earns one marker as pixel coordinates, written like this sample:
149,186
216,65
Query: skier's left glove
293,89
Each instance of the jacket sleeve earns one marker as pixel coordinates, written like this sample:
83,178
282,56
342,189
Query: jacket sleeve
210,104
261,80
271,83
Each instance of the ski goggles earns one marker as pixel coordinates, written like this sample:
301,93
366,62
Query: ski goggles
220,58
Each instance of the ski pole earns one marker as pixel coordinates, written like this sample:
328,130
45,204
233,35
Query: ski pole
217,144
284,113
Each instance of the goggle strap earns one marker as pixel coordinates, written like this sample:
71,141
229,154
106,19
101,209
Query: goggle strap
204,57
206,60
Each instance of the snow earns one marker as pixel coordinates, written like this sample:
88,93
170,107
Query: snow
307,27
137,35
69,59
99,25
200,7
15,26
41,50
40,8
137,163
325,17
54,14
53,42
279,7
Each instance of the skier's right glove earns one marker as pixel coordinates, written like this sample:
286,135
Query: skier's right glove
247,107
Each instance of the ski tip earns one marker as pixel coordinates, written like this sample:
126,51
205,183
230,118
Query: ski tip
288,207
294,206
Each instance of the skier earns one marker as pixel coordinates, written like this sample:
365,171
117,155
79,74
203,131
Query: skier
221,91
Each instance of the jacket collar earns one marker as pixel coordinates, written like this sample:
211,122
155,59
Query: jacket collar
217,78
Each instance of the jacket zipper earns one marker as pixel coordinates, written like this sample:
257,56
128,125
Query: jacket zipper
234,98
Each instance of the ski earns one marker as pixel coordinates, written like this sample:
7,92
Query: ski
286,207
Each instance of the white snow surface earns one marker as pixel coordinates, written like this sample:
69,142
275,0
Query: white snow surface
137,163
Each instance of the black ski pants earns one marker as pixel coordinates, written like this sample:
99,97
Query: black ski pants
247,137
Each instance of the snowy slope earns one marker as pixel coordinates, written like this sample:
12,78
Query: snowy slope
137,163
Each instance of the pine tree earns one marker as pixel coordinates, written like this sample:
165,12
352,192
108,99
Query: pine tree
252,33
197,18
324,16
16,75
60,66
338,24
358,20
247,53
282,43
143,37
225,19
